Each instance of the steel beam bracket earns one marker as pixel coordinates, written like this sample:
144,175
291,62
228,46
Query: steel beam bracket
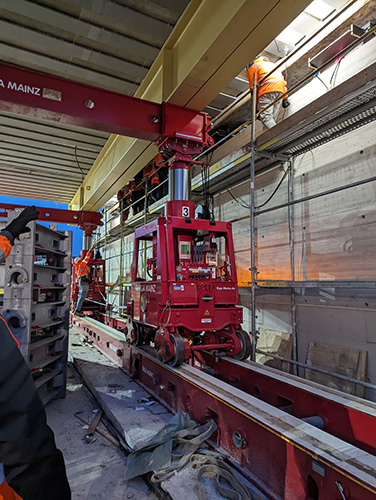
87,221
273,156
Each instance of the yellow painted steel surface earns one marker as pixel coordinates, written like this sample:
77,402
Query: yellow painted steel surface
212,42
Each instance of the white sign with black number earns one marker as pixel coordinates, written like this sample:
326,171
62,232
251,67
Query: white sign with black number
185,211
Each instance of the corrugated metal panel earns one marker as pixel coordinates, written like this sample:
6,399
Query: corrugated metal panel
108,44
43,160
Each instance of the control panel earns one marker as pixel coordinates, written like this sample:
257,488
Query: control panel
195,271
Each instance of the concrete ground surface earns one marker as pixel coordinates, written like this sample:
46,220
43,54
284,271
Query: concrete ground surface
96,470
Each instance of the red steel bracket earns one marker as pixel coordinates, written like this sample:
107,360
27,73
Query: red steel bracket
87,221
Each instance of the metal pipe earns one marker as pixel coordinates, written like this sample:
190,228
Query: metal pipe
145,222
317,195
87,241
252,215
121,269
294,329
179,184
319,370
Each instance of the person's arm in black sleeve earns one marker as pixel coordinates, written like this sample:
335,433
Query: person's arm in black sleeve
14,229
18,225
33,466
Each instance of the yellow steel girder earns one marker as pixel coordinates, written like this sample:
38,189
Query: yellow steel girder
211,43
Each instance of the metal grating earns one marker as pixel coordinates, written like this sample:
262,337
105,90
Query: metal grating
348,114
293,143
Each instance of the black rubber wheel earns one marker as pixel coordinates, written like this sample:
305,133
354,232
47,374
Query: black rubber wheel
139,338
246,349
179,350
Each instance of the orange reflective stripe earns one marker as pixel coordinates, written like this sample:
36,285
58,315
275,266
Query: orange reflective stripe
88,256
7,493
269,80
159,161
6,325
5,245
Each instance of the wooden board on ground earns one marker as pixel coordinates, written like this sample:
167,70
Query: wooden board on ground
275,342
337,359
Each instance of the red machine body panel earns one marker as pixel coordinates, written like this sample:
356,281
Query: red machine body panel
189,287
184,284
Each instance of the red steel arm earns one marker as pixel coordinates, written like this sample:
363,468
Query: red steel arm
39,95
87,221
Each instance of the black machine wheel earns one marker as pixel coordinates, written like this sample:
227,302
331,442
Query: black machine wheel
138,337
246,349
179,350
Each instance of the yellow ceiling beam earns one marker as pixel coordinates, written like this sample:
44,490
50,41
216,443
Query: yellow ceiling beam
211,43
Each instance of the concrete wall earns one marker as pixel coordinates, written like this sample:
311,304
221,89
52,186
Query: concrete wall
335,236
335,239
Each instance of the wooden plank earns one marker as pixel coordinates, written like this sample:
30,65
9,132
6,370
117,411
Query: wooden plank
343,360
275,342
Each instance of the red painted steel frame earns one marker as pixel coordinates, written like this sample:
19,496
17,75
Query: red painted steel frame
159,291
274,459
345,422
87,221
39,95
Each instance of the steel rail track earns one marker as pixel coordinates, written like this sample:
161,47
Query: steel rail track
279,452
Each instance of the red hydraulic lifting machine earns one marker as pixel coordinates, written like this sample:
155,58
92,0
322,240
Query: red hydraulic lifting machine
187,300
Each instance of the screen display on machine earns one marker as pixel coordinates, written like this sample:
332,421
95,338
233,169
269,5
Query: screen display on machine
185,250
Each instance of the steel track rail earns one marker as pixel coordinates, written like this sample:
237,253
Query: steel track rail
282,454
345,416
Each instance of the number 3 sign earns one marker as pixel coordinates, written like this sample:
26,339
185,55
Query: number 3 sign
185,211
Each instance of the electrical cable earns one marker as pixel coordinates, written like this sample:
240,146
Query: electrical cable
205,181
276,44
243,204
322,81
275,190
169,314
335,72
78,163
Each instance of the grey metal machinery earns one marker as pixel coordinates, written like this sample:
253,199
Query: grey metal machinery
36,303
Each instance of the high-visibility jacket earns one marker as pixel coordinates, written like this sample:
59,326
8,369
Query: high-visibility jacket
159,161
33,466
82,270
6,240
6,492
126,192
150,172
273,83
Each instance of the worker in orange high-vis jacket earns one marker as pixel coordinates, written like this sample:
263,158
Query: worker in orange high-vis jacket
268,89
31,467
151,176
83,276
